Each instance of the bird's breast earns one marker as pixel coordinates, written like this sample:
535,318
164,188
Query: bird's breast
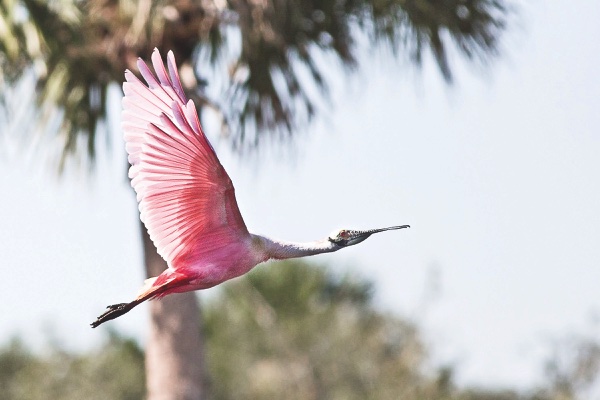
220,265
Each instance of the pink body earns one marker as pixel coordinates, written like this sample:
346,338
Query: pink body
219,265
216,265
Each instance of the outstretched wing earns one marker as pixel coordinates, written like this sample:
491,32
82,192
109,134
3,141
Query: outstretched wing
186,198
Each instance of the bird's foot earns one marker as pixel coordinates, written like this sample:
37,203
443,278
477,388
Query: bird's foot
114,311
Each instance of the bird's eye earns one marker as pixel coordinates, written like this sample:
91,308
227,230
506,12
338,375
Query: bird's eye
340,236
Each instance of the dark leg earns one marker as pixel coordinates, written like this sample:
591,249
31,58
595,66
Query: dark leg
114,311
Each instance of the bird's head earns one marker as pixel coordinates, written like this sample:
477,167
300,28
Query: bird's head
350,237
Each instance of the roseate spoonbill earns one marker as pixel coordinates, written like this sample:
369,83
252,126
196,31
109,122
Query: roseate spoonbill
186,198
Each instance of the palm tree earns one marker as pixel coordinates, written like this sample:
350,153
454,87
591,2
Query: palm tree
76,49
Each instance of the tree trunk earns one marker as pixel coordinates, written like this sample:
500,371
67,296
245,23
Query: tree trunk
174,351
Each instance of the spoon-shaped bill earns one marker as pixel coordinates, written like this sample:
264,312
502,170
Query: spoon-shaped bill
360,236
391,228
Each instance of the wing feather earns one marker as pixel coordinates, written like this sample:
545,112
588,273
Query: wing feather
186,198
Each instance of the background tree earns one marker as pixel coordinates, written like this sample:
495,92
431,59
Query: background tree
74,50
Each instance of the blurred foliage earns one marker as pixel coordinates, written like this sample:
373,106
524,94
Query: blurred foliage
290,330
573,370
273,57
116,371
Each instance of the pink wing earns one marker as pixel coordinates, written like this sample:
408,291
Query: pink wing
186,198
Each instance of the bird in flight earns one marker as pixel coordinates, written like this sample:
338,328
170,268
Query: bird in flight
186,199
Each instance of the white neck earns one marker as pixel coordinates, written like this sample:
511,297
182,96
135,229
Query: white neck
281,250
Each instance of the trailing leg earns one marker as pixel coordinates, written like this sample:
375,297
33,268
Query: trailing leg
114,311
153,288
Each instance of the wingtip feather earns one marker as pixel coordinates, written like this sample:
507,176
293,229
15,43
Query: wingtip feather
174,74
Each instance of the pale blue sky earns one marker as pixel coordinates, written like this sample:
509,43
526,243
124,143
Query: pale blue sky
499,178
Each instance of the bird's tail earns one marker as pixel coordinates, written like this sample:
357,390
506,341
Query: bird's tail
153,288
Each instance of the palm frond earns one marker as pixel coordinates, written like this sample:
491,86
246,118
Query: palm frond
274,81
279,35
